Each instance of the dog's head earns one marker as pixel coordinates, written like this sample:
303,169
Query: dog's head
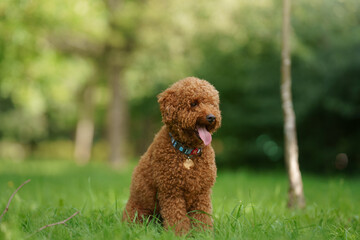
190,108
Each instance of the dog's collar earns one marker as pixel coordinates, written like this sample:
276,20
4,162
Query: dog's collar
183,149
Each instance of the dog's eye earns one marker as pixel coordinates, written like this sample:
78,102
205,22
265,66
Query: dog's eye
194,104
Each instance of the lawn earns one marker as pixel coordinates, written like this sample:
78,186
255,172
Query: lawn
247,205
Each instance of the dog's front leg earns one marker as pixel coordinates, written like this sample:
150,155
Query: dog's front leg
173,211
201,211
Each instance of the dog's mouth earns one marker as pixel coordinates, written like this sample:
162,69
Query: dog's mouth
203,133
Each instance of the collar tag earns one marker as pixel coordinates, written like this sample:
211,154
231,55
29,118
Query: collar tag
188,163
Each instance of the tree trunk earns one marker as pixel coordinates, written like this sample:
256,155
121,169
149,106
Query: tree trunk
296,193
85,126
117,118
110,57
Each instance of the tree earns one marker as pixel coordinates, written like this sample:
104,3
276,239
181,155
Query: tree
84,133
85,125
110,57
296,193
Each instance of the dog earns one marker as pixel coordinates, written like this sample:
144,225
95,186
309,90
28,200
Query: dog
175,175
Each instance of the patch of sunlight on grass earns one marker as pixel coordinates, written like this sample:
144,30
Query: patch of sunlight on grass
46,168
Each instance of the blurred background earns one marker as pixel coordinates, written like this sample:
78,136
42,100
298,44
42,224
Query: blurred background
79,79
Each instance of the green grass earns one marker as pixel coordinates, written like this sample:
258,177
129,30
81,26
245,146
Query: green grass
247,205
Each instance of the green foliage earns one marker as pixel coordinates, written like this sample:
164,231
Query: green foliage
247,205
233,44
330,108
37,84
325,83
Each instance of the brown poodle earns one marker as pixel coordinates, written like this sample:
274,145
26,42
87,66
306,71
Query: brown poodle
175,175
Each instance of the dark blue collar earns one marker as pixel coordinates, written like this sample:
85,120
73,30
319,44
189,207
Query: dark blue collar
183,149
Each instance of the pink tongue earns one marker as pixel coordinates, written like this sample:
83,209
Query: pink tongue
204,135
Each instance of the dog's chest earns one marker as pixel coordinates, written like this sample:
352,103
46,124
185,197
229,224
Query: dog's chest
176,173
197,175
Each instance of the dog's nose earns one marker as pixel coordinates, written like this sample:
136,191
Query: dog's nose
210,118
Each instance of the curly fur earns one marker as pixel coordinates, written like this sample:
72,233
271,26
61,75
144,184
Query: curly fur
160,182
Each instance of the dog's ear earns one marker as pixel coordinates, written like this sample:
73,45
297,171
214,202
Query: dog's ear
166,102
